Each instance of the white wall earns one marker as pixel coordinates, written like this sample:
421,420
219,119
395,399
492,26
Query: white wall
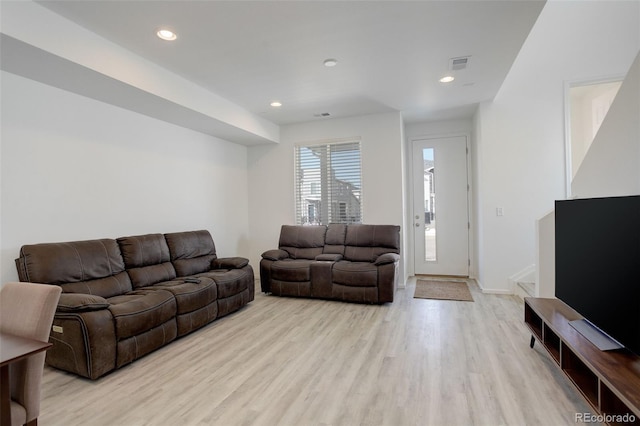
74,168
521,160
478,217
438,128
271,175
406,249
546,256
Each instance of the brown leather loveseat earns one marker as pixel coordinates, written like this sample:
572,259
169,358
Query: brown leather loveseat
123,298
354,263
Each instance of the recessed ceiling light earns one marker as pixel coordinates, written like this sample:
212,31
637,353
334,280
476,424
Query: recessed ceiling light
167,35
447,79
330,62
276,104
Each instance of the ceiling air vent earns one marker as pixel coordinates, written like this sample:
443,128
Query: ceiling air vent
456,64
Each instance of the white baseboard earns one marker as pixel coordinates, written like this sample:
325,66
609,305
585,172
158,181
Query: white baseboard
493,290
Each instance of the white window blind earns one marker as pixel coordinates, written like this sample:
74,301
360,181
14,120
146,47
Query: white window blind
328,183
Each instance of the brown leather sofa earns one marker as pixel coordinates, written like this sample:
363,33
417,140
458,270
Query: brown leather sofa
124,298
353,263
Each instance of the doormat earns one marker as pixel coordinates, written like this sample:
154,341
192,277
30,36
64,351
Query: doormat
442,290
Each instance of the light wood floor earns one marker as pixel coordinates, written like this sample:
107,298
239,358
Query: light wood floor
285,361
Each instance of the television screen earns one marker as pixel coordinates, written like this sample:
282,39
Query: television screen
597,263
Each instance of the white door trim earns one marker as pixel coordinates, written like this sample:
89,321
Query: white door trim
411,196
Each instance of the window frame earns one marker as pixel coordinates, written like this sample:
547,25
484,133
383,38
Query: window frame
330,190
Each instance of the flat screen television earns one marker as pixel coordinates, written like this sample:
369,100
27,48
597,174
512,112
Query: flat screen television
598,264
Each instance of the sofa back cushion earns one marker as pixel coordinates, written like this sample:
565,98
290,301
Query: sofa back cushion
334,240
364,243
92,266
302,242
191,252
146,258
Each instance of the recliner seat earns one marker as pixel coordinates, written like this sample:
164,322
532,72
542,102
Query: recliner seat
122,299
355,263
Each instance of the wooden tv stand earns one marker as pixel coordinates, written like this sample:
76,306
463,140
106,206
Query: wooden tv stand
609,381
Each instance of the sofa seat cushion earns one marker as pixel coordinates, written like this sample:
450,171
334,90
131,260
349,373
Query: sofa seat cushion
230,281
190,296
355,274
141,310
291,270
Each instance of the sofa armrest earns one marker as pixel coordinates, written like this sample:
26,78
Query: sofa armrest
229,263
329,257
79,302
84,342
385,258
275,254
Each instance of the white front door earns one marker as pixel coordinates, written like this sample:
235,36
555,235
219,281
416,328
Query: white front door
440,208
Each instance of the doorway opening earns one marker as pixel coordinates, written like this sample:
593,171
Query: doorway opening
587,104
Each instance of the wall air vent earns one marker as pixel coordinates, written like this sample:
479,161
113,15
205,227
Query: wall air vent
460,63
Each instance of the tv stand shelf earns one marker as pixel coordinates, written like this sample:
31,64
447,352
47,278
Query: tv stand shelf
609,381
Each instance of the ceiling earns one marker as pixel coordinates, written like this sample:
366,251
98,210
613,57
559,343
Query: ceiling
390,54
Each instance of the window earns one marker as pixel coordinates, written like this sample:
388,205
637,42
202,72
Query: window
343,211
315,188
312,213
328,183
